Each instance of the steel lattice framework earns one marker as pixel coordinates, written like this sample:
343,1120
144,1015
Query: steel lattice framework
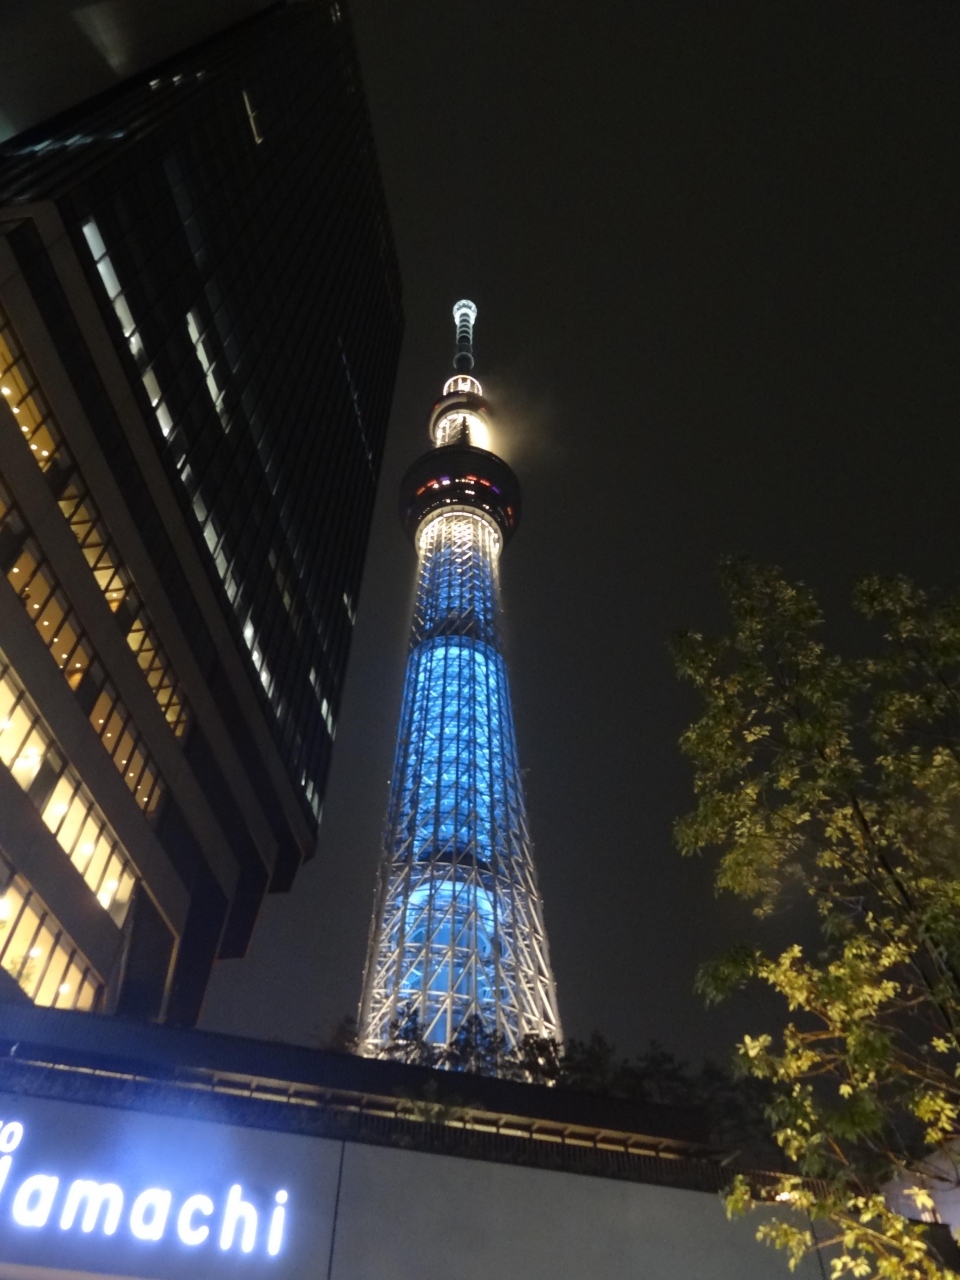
458,922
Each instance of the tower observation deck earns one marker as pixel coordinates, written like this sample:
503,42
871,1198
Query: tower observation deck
458,930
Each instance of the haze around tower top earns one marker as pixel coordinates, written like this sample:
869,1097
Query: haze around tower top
517,427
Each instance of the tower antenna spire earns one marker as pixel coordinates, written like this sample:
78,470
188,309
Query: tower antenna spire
465,314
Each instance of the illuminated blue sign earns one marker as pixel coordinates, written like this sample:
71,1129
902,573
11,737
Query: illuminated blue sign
42,1199
99,1189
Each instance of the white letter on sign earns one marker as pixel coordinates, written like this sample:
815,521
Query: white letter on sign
34,1200
187,1232
156,1203
10,1136
96,1194
275,1238
236,1210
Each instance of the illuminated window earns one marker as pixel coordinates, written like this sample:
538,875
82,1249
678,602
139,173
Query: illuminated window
37,953
221,554
209,527
59,628
252,117
114,725
461,427
28,750
462,382
20,389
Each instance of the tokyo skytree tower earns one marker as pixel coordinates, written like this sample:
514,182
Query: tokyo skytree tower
458,924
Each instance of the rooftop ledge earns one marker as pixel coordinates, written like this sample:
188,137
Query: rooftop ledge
102,1061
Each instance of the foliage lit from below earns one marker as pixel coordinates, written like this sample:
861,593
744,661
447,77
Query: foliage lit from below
837,778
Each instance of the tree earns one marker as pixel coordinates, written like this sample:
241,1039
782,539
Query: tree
733,1106
475,1048
346,1036
837,779
535,1060
406,1041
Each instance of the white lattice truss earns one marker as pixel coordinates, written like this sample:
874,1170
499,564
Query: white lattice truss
458,922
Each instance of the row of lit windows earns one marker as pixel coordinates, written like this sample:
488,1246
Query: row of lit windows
210,527
124,599
113,722
36,952
47,607
207,520
19,387
31,576
153,294
28,750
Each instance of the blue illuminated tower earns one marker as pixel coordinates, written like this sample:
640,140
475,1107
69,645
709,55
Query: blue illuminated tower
458,923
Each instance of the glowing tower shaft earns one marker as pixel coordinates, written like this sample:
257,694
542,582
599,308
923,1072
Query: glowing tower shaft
458,922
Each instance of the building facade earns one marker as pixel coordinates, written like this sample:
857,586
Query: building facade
458,943
170,1154
200,321
56,55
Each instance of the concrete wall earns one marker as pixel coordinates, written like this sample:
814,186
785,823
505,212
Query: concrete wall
56,53
403,1215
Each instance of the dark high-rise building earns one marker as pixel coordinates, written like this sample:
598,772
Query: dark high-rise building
200,321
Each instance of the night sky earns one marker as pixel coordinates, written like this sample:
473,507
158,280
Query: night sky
714,248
